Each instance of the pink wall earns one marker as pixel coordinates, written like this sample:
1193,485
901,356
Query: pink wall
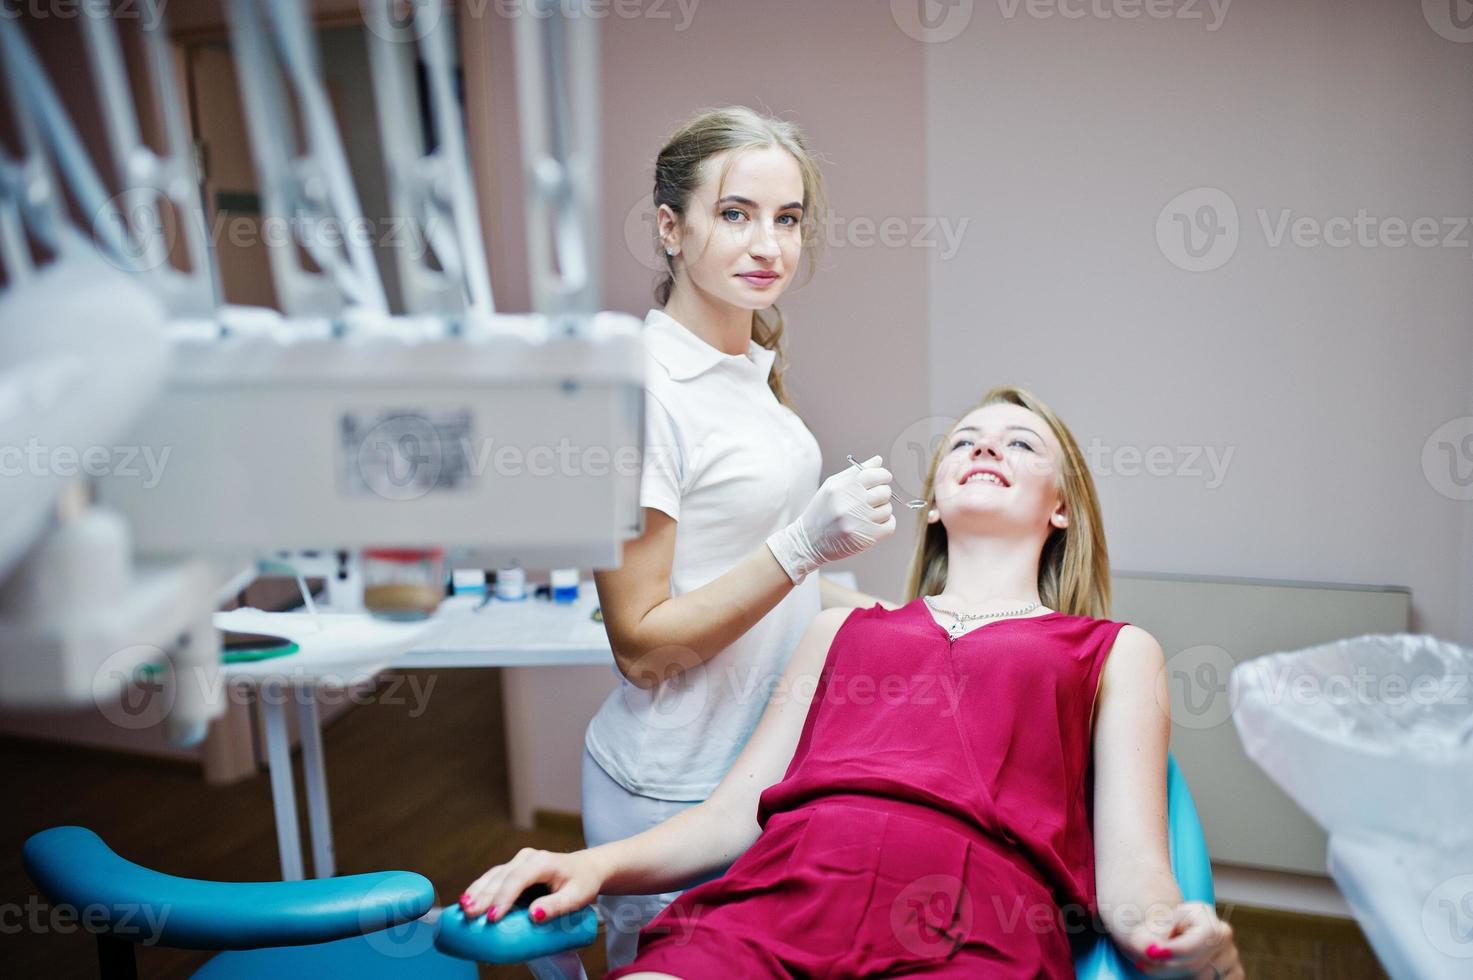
1327,371
857,330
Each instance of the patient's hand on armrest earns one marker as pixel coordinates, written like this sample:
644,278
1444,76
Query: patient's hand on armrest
572,881
1188,941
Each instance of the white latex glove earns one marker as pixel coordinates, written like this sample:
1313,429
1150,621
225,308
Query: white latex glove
850,512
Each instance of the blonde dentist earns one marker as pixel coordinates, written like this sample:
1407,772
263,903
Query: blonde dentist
711,600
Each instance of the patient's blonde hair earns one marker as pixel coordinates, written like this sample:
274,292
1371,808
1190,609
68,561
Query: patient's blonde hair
1074,567
678,173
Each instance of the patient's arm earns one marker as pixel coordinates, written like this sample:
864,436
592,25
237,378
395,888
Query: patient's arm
1131,729
695,843
1138,896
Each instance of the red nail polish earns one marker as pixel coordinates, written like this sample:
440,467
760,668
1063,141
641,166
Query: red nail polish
490,913
538,915
1158,952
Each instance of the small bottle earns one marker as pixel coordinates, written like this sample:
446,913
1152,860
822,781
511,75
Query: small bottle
511,584
564,585
403,583
468,581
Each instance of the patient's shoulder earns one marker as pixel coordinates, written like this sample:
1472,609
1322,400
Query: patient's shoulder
828,622
813,648
1134,638
1134,657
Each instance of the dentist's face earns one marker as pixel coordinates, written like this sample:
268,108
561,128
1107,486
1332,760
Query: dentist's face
1022,453
740,242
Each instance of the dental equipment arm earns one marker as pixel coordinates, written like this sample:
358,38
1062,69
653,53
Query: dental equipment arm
338,426
146,176
558,108
82,352
308,189
433,186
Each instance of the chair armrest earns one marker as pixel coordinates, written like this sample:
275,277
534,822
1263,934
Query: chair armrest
72,866
515,938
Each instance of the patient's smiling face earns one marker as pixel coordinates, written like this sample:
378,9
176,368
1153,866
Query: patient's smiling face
1017,445
741,239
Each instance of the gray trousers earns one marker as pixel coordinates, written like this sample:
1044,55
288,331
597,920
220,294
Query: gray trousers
610,813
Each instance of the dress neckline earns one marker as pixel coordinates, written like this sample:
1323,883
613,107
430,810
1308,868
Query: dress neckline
925,611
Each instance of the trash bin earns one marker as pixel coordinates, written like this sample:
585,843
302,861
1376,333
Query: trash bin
1373,737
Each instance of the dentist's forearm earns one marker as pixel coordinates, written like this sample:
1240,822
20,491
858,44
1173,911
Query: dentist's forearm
691,846
690,629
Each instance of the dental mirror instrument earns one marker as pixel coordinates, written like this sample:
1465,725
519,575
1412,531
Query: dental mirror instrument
912,504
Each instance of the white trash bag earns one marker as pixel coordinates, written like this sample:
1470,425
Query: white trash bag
1373,737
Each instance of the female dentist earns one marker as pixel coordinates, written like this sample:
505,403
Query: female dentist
712,598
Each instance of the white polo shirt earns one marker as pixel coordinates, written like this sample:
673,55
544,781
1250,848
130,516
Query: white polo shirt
732,465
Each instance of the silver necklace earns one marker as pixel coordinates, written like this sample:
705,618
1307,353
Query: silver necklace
960,620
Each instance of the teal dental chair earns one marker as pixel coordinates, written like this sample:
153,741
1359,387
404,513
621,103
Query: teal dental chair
376,925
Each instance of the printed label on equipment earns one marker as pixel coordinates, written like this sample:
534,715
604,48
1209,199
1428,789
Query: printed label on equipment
403,454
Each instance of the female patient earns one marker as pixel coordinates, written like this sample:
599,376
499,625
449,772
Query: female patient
957,787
